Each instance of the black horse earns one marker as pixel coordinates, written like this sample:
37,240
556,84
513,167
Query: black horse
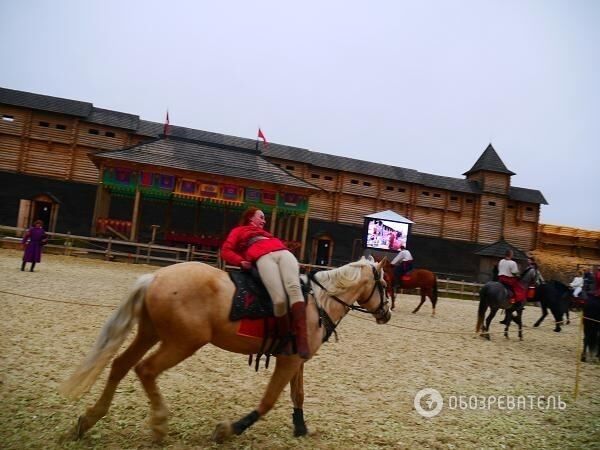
591,327
553,295
496,296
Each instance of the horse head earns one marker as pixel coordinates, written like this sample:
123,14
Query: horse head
358,282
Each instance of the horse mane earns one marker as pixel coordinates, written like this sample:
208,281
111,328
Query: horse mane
338,281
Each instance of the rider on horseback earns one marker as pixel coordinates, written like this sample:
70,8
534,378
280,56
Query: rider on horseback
508,274
403,263
249,244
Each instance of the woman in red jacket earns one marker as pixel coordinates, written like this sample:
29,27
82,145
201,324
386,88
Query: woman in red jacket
249,244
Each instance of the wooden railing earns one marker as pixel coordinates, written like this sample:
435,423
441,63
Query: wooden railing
452,288
117,250
113,249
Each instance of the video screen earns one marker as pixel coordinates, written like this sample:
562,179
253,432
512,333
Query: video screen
385,234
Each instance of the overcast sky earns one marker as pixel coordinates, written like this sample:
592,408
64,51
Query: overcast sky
420,84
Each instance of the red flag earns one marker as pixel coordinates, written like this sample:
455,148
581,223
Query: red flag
166,127
262,136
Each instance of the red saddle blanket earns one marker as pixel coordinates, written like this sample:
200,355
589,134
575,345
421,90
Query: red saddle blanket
255,328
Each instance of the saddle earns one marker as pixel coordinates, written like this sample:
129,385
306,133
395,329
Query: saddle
253,307
511,294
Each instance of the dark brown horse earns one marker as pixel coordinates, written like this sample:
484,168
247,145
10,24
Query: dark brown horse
418,278
186,306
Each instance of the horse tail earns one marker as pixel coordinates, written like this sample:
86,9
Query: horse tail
434,297
112,335
482,307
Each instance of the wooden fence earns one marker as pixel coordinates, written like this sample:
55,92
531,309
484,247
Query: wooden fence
113,249
134,252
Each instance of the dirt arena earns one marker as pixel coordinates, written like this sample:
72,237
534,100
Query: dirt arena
359,391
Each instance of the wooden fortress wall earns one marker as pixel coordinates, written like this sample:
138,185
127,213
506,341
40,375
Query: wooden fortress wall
57,146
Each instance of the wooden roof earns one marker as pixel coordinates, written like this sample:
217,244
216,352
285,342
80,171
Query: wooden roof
177,153
489,160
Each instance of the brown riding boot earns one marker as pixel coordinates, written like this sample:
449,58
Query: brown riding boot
283,326
299,327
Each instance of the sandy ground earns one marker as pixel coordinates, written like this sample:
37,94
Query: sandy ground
359,391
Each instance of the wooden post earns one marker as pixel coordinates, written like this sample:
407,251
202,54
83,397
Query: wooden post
154,229
108,248
288,223
273,220
97,207
296,223
304,235
135,216
189,254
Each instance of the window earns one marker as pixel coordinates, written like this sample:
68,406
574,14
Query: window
510,206
389,188
8,118
315,175
109,134
366,183
437,195
492,203
289,168
425,193
453,198
93,131
328,178
44,124
278,165
60,126
469,200
529,208
401,190
354,181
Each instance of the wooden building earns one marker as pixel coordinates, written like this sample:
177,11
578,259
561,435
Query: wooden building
55,151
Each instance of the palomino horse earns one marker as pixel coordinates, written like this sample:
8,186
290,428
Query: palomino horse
496,296
417,278
186,306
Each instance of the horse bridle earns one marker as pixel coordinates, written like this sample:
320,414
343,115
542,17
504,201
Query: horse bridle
379,313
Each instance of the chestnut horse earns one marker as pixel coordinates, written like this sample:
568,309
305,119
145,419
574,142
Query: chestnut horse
186,306
417,278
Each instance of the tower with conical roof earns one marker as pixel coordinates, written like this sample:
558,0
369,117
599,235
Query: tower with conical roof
493,178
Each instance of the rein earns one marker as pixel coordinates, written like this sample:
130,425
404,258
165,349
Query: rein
359,308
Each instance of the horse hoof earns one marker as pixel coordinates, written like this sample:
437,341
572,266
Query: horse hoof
557,330
222,431
568,322
415,311
506,335
300,431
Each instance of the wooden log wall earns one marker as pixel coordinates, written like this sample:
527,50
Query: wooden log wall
569,241
490,218
497,183
58,146
348,197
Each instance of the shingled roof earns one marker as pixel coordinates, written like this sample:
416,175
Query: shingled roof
175,153
526,195
499,248
45,102
490,161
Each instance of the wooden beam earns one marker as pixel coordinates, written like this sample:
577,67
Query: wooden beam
135,217
304,235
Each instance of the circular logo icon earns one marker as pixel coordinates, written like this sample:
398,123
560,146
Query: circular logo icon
428,402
